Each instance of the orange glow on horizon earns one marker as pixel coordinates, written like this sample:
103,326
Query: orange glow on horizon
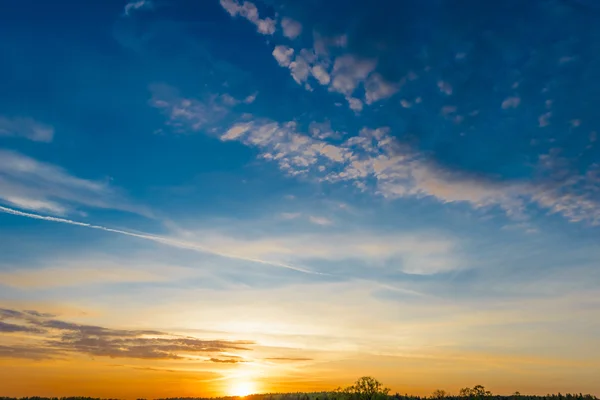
242,388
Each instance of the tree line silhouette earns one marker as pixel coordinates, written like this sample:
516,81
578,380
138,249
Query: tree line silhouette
365,388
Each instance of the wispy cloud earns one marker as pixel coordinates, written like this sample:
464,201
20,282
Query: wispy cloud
82,272
226,360
6,327
34,185
158,239
248,10
415,253
56,338
288,359
27,128
320,220
137,5
188,114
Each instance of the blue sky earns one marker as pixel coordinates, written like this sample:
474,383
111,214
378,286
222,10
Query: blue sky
334,178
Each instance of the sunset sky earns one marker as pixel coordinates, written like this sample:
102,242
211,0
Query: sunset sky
215,197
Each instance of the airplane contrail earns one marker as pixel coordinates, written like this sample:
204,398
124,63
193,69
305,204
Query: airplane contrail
155,238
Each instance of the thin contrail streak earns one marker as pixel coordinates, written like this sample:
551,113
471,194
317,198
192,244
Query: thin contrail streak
158,239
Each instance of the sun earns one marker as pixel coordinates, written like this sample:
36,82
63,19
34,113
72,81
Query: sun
242,388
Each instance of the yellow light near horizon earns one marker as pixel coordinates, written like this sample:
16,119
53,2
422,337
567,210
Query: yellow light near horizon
242,388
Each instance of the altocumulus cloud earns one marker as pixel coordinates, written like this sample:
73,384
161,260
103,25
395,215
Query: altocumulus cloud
248,10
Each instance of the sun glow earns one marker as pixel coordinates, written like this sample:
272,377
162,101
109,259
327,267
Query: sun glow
242,388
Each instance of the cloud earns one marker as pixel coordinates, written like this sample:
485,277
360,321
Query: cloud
137,5
323,44
283,55
418,253
11,328
226,361
290,215
305,64
291,29
250,98
288,359
68,274
375,160
323,130
27,128
544,119
185,114
56,337
300,69
294,152
445,87
34,185
174,242
511,102
377,88
348,72
355,104
320,74
320,220
249,11
28,352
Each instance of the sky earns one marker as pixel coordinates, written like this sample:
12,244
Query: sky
217,197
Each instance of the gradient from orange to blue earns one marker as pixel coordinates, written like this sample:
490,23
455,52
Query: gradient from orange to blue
217,197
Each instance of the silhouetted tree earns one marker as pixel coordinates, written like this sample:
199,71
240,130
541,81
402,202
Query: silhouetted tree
439,394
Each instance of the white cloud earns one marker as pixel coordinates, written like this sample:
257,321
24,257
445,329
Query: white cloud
348,72
249,11
320,220
266,26
405,103
168,241
322,44
27,128
304,64
34,204
355,104
377,88
511,102
236,131
250,98
290,215
229,100
448,109
293,152
299,69
375,161
320,74
283,55
137,5
544,119
445,87
34,185
421,254
186,114
323,130
82,273
291,28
